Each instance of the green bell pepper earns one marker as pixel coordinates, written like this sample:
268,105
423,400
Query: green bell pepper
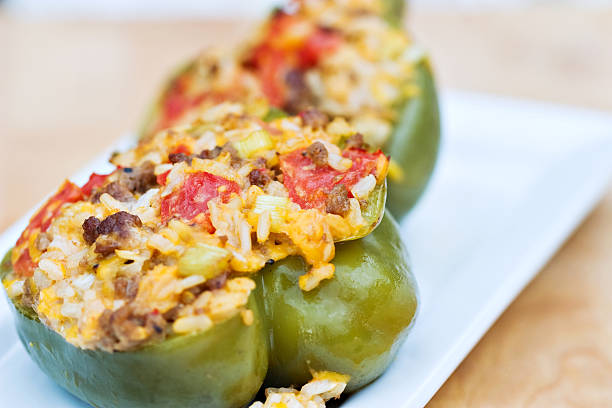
353,324
222,368
393,10
415,137
414,143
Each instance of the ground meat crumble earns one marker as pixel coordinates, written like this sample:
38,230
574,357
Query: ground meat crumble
317,153
338,200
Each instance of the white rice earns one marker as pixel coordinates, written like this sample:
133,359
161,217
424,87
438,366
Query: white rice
163,245
153,157
52,269
174,179
112,204
16,288
83,282
245,237
192,281
162,168
263,226
362,189
72,309
192,323
207,141
338,162
64,290
277,189
118,303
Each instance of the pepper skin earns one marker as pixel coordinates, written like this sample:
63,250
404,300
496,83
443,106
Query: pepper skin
223,367
414,143
393,10
374,212
351,324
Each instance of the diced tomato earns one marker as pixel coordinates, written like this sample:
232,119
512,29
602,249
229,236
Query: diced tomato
280,22
180,98
273,58
68,193
24,266
270,61
272,72
309,185
364,163
271,65
176,100
40,222
182,149
319,43
161,178
192,198
95,181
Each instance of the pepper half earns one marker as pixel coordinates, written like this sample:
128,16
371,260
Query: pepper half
128,291
415,132
353,323
220,368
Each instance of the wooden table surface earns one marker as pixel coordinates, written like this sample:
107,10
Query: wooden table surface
68,89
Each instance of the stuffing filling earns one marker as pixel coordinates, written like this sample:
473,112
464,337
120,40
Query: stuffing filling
324,386
167,243
339,56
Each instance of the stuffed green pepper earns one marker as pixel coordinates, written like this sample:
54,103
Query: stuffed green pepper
345,58
216,256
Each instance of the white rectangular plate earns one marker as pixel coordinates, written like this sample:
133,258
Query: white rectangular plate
514,179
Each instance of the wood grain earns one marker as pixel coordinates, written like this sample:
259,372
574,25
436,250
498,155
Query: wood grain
552,347
67,89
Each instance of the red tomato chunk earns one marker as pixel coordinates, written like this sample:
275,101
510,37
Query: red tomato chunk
95,181
309,185
68,193
192,198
